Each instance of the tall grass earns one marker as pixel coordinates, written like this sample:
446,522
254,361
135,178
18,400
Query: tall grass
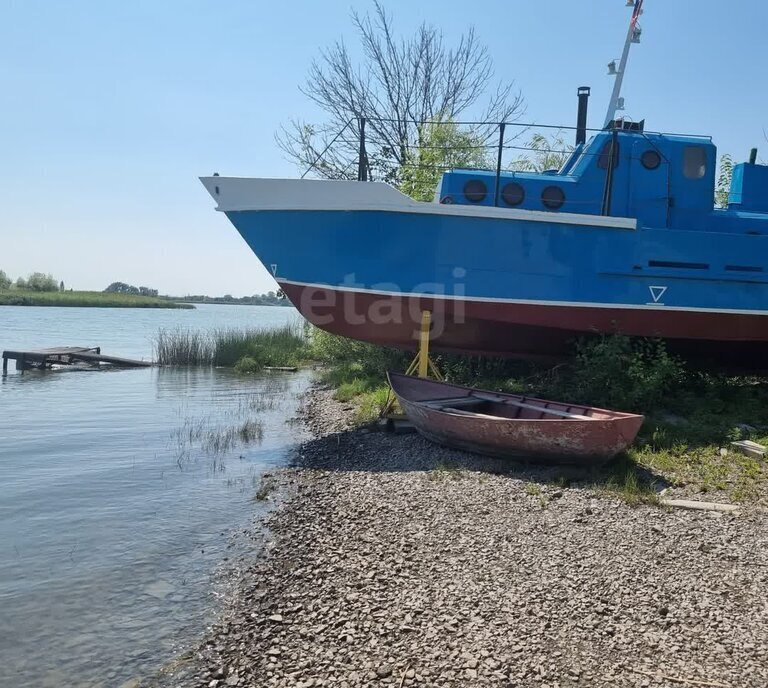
183,347
282,346
249,349
84,299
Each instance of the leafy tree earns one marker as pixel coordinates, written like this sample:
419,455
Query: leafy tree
723,186
21,283
441,146
546,153
397,85
121,288
5,281
61,286
125,288
39,281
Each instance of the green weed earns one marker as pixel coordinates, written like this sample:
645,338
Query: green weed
349,390
371,404
626,480
532,489
266,487
446,470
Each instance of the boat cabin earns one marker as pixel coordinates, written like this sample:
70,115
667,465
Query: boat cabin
662,180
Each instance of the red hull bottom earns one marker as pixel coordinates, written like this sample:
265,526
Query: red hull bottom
527,330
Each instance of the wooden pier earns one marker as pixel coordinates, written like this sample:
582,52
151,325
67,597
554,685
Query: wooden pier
66,355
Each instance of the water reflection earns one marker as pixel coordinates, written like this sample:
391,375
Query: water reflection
119,492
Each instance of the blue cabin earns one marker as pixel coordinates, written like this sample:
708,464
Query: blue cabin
662,180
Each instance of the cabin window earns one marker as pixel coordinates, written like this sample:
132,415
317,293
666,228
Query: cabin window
513,194
553,197
475,190
604,156
694,162
650,159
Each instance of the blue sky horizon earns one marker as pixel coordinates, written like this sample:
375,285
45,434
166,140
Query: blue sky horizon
110,111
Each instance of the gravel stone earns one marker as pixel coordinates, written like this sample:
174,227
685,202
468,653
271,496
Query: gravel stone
386,568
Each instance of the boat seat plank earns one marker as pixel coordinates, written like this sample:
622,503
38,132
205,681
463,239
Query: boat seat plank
462,412
522,404
475,398
451,402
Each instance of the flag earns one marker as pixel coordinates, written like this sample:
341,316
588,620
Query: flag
636,13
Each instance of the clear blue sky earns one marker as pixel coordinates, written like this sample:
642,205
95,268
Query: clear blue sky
110,110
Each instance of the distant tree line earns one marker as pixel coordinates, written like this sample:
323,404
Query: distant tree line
123,288
271,298
37,281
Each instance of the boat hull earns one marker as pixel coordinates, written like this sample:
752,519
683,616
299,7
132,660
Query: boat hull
565,441
362,260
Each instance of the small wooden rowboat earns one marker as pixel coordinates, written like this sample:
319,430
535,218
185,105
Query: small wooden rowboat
512,426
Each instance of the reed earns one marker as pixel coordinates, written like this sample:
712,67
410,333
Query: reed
183,347
84,299
218,441
249,350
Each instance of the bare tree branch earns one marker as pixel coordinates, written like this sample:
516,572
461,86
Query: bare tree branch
398,85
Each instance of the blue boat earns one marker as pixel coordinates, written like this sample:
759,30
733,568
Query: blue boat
623,238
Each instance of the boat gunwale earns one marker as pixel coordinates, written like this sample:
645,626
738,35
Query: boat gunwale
500,419
612,415
379,197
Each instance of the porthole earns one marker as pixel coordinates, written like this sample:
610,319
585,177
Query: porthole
650,159
513,194
553,197
475,190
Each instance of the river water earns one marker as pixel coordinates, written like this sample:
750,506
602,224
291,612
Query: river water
120,491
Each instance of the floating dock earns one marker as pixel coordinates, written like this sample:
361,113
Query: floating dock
66,355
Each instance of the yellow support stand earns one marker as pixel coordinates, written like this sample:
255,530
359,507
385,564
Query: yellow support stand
421,365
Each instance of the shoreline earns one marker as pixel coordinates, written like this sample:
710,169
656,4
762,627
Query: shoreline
389,561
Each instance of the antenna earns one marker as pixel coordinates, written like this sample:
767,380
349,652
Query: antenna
633,36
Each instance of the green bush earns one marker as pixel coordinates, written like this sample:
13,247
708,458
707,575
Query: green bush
623,373
282,346
247,365
370,359
372,403
353,388
469,369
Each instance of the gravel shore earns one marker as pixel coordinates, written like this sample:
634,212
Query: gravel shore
392,562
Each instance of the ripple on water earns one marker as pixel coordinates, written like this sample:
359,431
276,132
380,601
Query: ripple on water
111,526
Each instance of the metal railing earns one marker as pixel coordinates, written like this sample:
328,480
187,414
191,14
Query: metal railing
492,144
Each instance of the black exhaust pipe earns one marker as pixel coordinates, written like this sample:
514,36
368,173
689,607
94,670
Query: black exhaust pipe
581,119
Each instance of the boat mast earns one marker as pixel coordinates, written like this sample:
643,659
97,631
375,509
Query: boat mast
633,36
